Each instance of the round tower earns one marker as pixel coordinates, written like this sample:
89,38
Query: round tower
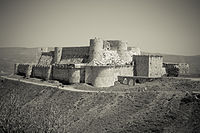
96,49
57,54
122,51
122,45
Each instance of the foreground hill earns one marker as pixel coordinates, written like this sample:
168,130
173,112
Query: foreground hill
10,56
164,106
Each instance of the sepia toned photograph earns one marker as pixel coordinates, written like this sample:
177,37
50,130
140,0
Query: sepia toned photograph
99,66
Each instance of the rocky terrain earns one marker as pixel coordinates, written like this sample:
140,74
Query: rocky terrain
165,105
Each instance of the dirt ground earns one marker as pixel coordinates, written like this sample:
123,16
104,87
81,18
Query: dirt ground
165,105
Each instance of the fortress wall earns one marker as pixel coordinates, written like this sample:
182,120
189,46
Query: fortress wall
155,66
176,69
124,70
60,73
141,65
105,76
42,71
148,65
74,51
23,69
76,75
46,58
184,68
68,73
99,76
74,55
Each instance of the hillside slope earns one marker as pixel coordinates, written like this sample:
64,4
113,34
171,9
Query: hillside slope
163,108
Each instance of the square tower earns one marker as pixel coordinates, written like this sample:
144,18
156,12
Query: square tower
148,65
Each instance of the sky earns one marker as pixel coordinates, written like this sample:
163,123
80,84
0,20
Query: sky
159,26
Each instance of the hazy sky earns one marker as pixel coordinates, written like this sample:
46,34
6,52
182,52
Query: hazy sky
165,26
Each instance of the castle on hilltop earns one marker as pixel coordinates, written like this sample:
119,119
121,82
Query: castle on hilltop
99,64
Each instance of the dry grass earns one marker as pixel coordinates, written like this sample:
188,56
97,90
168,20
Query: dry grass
163,107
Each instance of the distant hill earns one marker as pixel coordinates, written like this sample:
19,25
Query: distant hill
193,61
10,56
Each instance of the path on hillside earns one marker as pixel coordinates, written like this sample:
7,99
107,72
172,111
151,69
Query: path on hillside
68,88
193,79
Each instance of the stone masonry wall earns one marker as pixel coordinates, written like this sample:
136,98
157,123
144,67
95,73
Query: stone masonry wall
141,65
42,71
183,68
176,69
148,65
99,76
46,58
155,66
74,55
124,70
75,51
23,69
68,73
105,76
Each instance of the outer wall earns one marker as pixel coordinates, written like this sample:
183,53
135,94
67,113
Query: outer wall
105,76
99,76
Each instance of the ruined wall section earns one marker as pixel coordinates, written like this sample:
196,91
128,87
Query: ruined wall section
176,69
23,69
74,55
134,51
117,45
121,48
42,71
183,68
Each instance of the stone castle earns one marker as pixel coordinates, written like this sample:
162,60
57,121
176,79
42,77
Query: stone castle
99,64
